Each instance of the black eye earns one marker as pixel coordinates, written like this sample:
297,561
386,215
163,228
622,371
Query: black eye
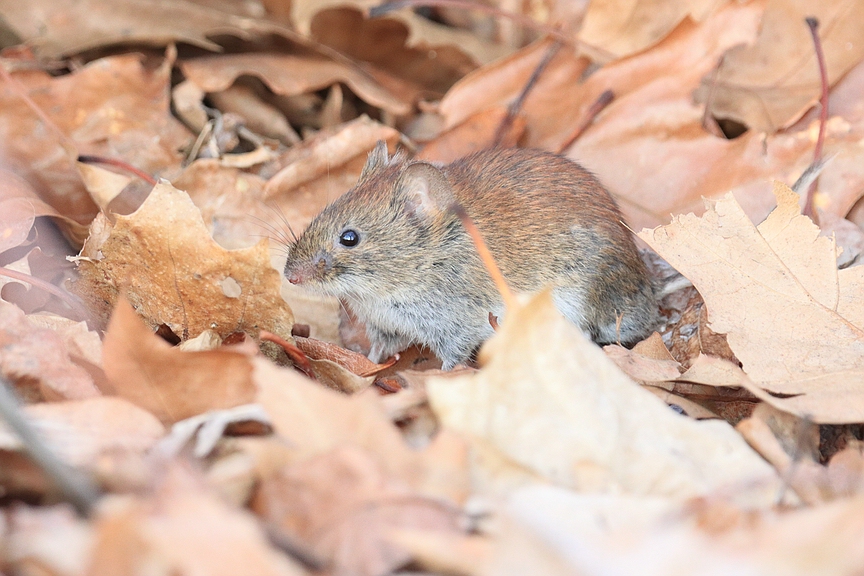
349,238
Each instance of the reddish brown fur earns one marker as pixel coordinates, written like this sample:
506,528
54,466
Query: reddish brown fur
415,276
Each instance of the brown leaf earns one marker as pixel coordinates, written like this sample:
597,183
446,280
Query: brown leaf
317,420
37,362
81,432
343,504
110,107
16,220
183,528
770,84
289,75
175,274
766,285
170,383
68,26
623,27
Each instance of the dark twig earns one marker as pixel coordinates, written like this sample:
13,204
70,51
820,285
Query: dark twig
75,487
602,101
118,164
813,25
516,105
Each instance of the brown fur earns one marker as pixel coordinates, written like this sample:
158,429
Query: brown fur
415,276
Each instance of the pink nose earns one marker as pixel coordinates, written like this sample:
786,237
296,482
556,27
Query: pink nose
295,277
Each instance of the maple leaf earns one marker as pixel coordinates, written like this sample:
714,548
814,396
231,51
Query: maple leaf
174,274
794,320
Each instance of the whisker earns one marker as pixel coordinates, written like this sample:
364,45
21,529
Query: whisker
276,233
278,211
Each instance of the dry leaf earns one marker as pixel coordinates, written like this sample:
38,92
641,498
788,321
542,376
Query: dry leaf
771,83
171,383
342,505
623,27
764,286
551,400
315,420
175,274
182,529
80,432
37,362
289,75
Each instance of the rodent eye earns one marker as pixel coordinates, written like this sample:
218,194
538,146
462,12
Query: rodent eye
349,238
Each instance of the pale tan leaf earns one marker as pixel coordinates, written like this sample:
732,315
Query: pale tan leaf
544,380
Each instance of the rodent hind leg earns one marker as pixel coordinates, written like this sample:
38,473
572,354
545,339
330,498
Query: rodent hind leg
385,344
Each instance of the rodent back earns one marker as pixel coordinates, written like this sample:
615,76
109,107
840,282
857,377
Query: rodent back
541,215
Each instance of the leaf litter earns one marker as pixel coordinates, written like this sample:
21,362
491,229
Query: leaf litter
729,440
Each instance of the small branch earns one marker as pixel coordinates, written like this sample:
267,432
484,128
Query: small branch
602,101
118,164
69,299
516,105
813,25
485,256
76,488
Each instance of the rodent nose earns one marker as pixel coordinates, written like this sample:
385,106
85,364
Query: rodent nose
295,278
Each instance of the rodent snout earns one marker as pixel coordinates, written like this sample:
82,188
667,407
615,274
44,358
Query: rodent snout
315,268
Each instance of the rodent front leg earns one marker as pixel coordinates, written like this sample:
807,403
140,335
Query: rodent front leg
384,344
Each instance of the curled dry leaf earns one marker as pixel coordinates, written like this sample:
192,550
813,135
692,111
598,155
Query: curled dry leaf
37,362
770,84
175,274
16,220
171,383
289,75
552,401
764,286
102,185
422,32
80,432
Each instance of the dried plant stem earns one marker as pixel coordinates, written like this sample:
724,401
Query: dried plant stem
602,101
76,488
485,256
69,299
21,92
516,105
813,25
118,164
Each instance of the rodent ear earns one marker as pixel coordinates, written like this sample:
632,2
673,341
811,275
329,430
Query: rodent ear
376,159
425,189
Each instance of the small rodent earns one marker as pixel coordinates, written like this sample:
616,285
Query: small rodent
394,251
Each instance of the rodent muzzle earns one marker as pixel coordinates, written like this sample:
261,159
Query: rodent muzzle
315,269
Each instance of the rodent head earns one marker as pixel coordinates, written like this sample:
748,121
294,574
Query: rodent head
377,237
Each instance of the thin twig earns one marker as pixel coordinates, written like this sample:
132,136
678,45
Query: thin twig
69,299
813,25
516,105
485,256
75,487
602,101
86,159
